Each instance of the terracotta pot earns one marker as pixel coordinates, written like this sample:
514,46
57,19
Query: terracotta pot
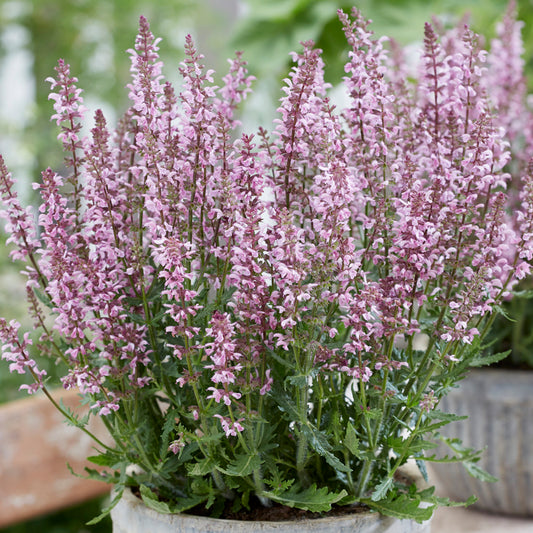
132,516
499,404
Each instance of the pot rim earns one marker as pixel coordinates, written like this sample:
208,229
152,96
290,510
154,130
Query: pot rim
369,515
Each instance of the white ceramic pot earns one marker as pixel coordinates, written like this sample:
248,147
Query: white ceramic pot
132,516
499,406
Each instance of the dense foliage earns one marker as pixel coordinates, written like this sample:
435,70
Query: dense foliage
276,316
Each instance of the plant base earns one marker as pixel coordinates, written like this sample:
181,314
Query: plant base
132,516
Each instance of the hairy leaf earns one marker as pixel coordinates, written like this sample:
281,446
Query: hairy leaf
310,499
351,441
243,465
401,506
152,501
319,442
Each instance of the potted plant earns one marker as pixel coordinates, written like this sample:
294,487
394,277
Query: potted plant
244,312
499,400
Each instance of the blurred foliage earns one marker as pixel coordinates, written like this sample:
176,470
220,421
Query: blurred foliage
93,36
278,25
512,329
71,520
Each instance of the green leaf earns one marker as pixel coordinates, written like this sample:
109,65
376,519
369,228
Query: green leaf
401,506
442,420
382,489
401,446
319,442
502,311
74,419
168,427
351,441
428,495
43,298
285,403
152,501
441,415
105,459
111,478
184,503
107,509
446,502
202,467
526,294
462,454
243,465
310,499
204,489
372,414
421,464
301,380
281,360
476,471
486,360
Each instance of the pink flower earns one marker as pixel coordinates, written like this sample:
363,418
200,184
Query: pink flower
220,395
229,427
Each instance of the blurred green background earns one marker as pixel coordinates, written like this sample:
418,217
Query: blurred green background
93,35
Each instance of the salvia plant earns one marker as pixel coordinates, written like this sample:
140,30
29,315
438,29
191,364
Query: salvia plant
507,85
272,318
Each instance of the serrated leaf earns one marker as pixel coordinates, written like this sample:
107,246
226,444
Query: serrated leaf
284,402
183,504
351,441
421,464
74,419
382,489
204,489
428,495
202,467
244,465
112,478
403,507
446,502
319,442
443,420
284,362
372,414
109,508
105,459
136,317
462,454
91,473
526,294
486,360
442,415
502,311
301,380
168,428
151,500
310,499
156,318
476,471
400,445
43,298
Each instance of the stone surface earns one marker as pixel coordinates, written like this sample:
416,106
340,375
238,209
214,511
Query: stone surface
460,520
499,404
